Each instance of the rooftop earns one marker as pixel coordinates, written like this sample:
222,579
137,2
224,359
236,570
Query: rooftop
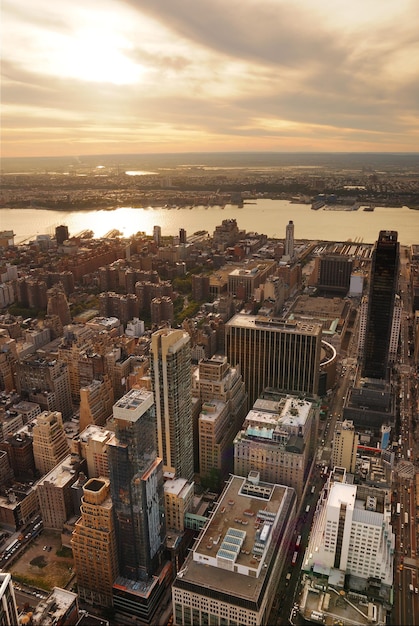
133,404
242,320
49,611
62,473
239,537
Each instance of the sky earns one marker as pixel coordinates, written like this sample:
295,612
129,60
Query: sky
160,76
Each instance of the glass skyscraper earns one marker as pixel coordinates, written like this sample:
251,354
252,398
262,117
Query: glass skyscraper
136,475
382,291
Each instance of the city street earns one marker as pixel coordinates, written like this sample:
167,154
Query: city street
406,583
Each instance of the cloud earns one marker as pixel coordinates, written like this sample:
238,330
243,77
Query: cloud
198,74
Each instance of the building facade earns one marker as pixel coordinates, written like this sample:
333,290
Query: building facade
92,446
277,440
96,402
230,576
382,291
289,240
49,441
136,476
8,607
345,445
55,494
172,386
94,544
352,531
47,382
275,353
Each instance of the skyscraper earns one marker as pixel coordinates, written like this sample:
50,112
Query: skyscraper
136,476
283,355
8,608
172,386
94,544
157,234
289,240
383,284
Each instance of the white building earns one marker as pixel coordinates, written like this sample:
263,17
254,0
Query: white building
8,608
352,532
135,328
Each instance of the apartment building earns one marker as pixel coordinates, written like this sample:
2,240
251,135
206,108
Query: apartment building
94,544
50,444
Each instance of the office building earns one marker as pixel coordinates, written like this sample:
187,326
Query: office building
96,402
216,433
344,446
55,495
277,440
8,607
19,448
61,234
6,472
49,441
352,532
226,234
334,274
242,281
60,608
370,404
217,384
182,236
57,304
170,366
275,353
382,291
18,506
394,333
94,544
289,240
157,235
178,500
92,446
136,476
231,574
47,382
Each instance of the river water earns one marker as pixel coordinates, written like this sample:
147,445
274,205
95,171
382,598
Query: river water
269,217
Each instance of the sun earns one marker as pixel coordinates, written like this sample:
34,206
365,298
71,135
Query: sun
98,55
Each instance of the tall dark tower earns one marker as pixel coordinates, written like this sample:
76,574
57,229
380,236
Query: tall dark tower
137,492
383,284
61,234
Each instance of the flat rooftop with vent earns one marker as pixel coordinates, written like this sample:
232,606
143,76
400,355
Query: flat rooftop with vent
243,540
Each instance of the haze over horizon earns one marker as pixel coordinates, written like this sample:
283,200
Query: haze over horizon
142,77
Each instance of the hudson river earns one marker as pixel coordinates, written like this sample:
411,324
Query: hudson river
269,217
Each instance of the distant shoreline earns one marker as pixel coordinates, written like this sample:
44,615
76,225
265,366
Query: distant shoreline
70,208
